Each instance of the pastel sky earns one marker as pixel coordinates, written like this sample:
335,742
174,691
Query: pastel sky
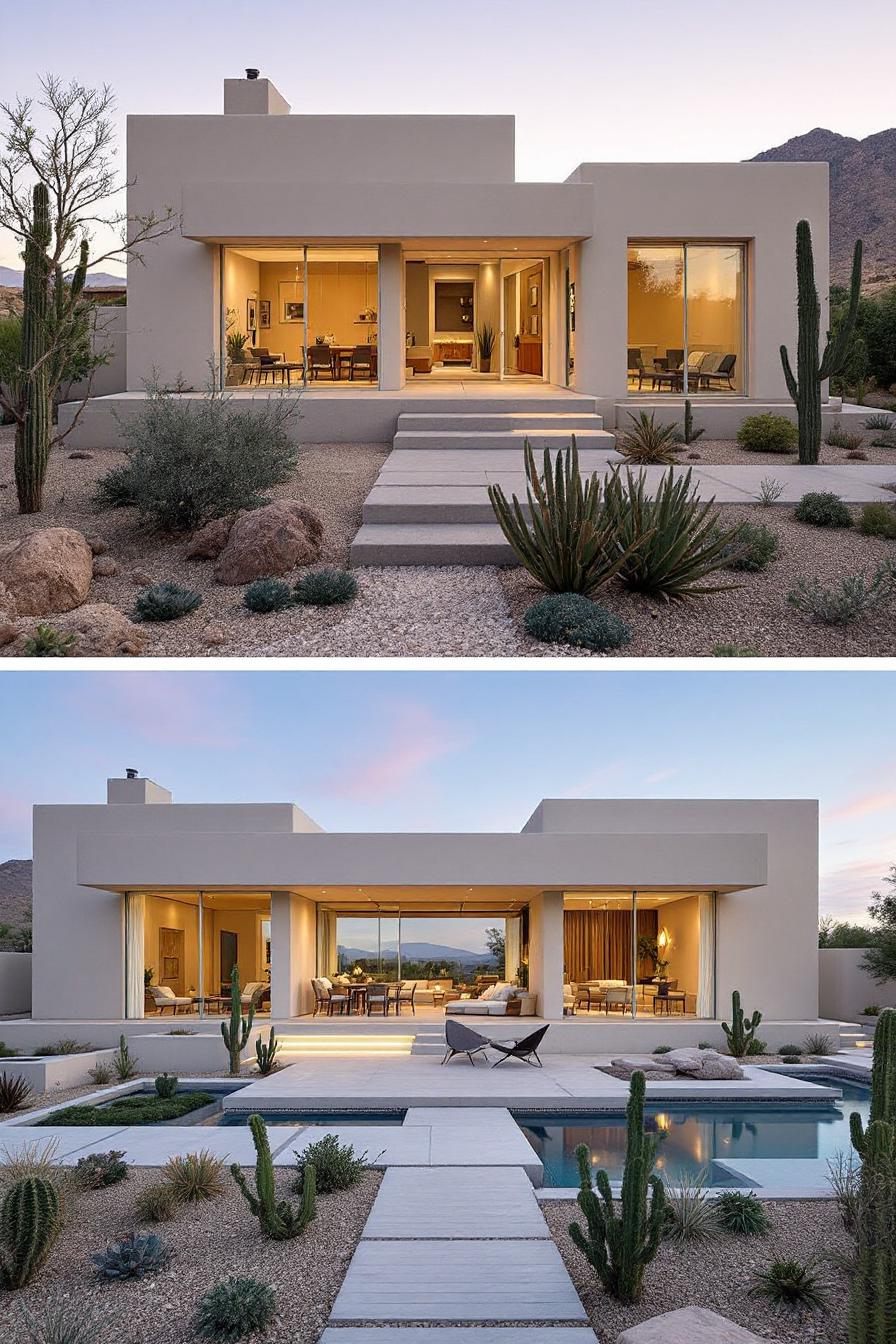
587,79
465,750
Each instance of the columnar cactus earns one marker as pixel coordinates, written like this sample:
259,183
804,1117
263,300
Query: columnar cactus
236,1032
741,1032
33,433
29,1224
872,1307
883,1080
618,1247
805,387
279,1220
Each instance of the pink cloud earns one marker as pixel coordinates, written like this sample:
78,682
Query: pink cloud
864,805
180,709
416,739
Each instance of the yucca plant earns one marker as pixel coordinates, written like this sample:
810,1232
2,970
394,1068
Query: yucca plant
669,545
14,1092
690,1215
787,1283
567,542
647,443
195,1177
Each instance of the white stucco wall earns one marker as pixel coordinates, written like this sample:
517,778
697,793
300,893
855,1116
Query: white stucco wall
15,983
844,989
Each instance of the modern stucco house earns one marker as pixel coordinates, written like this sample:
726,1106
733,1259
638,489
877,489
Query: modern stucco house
727,890
360,257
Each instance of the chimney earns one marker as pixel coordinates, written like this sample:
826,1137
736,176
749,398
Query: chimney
133,789
253,96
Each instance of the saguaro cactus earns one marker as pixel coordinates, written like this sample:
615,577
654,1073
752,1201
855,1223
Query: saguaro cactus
279,1220
883,1080
805,387
619,1246
29,1224
236,1032
741,1032
33,432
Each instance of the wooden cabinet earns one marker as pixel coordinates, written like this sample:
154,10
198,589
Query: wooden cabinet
453,352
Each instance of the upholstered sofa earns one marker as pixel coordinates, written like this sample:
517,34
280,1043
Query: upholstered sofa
494,1002
418,358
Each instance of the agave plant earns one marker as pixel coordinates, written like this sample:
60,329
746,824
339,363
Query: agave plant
647,443
667,546
567,543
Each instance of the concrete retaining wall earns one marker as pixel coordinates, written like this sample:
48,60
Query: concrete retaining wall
57,1071
844,989
15,983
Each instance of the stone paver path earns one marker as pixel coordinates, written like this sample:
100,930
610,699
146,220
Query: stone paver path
459,1334
438,1202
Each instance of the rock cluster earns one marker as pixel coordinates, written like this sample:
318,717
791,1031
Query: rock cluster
259,543
690,1062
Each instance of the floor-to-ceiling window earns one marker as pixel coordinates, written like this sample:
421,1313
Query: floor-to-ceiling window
686,318
300,316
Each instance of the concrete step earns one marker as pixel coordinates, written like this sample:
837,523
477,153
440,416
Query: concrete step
458,1334
428,504
571,421
477,440
431,544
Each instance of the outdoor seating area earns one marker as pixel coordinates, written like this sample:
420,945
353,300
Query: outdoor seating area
659,997
462,1040
706,370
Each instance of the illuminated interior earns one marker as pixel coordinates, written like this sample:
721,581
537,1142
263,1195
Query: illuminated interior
686,316
190,944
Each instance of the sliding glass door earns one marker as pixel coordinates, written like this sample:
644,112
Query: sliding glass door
686,318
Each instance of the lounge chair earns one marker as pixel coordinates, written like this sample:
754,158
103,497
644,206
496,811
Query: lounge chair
461,1040
526,1049
252,994
724,373
406,994
163,996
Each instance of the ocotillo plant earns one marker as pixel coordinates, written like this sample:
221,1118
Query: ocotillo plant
279,1220
741,1032
236,1032
872,1310
618,1246
29,1224
266,1055
33,433
883,1080
805,387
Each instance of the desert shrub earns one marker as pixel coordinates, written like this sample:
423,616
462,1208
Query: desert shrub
754,547
770,491
37,1158
844,601
54,1322
14,1092
47,642
191,460
326,588
165,602
791,1059
570,618
266,595
101,1073
336,1166
787,1283
648,443
182,1031
670,544
822,508
838,437
98,1170
887,439
166,1085
878,520
195,1177
705,1045
661,1049
690,1216
137,1254
157,1203
742,1214
872,1010
66,1046
135,1110
755,1047
880,420
768,433
734,651
818,1044
123,1062
233,1309
789,1049
6,1051
844,1175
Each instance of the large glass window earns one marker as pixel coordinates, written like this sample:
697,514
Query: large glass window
686,317
296,316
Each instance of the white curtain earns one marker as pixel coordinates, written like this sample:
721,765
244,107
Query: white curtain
134,912
513,946
706,983
327,951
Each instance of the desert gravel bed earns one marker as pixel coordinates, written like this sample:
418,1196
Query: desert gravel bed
717,1274
209,1241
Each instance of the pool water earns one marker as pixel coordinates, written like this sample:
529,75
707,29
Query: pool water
690,1136
341,1118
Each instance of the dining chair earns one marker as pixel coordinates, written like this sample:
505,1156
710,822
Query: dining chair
320,360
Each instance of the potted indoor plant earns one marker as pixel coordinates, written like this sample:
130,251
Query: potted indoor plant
236,355
485,340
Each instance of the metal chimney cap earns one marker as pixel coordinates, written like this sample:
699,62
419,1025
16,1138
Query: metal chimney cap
252,73
130,773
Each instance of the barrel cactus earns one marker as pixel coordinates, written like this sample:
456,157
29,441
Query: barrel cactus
29,1225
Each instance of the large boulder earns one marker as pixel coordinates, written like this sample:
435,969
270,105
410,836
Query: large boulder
704,1065
689,1325
644,1063
47,571
268,541
100,631
209,541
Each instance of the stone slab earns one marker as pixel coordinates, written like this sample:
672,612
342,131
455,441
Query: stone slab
71,1141
455,1204
689,1325
775,1174
459,1334
385,1145
445,1281
152,1145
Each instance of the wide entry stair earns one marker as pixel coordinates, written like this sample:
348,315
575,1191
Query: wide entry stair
430,505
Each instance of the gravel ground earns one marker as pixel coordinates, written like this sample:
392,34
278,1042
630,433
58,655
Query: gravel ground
209,1241
728,452
717,1274
456,611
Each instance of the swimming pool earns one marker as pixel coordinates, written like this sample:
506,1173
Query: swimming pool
341,1118
691,1135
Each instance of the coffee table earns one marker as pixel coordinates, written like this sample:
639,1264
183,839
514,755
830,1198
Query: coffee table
674,996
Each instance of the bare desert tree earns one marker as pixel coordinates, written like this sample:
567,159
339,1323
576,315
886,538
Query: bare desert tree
58,185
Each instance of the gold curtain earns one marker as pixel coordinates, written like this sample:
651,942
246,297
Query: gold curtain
597,944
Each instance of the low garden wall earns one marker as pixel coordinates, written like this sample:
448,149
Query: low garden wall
15,983
844,989
46,1072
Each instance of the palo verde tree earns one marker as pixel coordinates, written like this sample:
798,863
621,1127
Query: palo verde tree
58,190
